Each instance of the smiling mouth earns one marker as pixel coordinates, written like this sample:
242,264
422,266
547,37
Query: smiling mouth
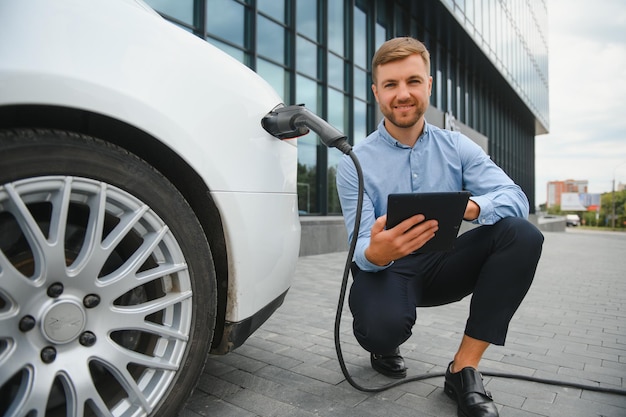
404,107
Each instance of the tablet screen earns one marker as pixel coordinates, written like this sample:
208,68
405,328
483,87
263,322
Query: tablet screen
447,208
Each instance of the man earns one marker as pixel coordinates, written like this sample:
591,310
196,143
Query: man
495,263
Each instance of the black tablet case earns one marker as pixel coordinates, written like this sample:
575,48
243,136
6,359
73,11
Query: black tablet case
447,208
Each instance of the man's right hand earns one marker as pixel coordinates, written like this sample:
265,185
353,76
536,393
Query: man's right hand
408,236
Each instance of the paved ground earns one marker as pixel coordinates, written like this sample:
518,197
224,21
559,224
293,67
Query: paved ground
572,326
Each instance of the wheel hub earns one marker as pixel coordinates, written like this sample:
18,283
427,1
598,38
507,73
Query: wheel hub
63,321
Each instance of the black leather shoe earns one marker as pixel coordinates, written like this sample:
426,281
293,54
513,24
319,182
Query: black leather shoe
466,388
389,364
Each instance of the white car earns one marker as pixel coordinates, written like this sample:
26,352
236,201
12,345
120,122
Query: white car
146,217
572,220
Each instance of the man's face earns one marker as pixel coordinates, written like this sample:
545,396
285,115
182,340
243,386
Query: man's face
402,90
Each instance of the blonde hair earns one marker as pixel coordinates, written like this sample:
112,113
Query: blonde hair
399,48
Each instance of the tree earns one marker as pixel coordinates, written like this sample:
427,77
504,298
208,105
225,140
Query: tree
619,199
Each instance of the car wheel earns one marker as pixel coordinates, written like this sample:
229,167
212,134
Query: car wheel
107,285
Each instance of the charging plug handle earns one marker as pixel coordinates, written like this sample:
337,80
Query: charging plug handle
286,122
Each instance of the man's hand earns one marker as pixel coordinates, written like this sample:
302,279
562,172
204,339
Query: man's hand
408,236
471,211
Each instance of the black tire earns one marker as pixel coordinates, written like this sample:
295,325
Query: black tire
137,318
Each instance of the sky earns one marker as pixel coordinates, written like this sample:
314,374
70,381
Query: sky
587,84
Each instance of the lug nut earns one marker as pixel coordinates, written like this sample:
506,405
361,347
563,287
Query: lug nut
48,354
55,290
27,323
91,300
87,339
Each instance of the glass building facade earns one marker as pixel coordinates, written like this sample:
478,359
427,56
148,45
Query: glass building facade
489,66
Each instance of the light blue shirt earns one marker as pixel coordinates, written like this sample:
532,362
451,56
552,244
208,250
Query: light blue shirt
440,160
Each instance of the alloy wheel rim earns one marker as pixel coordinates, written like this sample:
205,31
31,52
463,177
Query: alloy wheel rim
94,312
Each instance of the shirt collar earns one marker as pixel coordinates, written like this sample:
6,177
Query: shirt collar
392,141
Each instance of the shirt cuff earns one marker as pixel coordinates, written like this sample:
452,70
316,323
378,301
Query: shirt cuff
365,265
487,213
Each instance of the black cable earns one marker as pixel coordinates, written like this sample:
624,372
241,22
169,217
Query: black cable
342,296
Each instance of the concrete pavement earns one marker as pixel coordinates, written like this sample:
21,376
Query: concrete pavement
571,327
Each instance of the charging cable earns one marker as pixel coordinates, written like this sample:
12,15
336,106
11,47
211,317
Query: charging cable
285,122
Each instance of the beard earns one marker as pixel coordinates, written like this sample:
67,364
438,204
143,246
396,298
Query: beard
406,120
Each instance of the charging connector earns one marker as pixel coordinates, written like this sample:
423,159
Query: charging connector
296,120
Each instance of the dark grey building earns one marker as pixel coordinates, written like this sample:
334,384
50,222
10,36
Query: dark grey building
489,67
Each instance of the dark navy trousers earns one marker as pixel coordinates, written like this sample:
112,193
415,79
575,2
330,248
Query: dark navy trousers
495,263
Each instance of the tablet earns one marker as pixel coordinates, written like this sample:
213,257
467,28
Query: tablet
447,208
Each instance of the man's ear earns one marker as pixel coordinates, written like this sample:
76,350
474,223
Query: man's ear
375,91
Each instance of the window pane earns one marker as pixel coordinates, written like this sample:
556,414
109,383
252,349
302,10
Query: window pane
180,9
307,93
381,35
225,19
306,57
360,84
335,26
334,206
336,113
270,40
469,10
478,22
336,117
306,18
439,90
360,38
274,8
335,71
275,75
360,121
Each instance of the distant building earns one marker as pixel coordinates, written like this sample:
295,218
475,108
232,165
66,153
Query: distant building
557,188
